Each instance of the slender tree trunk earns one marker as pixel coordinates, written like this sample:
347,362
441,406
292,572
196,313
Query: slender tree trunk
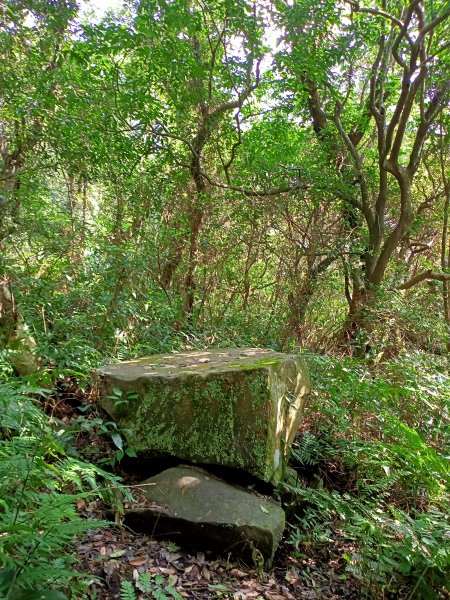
190,283
83,219
118,221
196,210
359,323
9,188
8,311
298,302
249,262
445,258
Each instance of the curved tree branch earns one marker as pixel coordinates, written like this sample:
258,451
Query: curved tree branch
428,275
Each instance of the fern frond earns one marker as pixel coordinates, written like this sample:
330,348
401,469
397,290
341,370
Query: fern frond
145,583
127,591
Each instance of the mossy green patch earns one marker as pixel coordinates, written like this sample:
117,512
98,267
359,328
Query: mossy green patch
241,412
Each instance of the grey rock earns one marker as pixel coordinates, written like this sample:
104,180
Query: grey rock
194,506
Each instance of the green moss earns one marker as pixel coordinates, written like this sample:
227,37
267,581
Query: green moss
231,414
221,417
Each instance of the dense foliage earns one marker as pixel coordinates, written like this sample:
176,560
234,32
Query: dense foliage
375,454
184,174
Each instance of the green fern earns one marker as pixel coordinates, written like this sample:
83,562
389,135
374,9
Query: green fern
38,518
387,430
127,591
157,587
145,583
310,450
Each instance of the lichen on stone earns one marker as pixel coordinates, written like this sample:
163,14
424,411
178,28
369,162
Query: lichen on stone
241,411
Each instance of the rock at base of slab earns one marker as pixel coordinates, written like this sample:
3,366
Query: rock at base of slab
191,505
235,407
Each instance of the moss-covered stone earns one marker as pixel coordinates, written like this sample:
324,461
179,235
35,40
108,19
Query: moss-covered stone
235,407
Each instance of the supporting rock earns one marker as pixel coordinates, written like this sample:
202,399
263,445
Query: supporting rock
191,505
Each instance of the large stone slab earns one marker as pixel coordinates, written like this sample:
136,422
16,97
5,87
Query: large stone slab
234,407
193,506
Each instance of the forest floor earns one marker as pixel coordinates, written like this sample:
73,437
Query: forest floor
116,554
113,555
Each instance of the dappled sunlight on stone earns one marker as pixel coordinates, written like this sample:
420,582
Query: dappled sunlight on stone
235,407
188,482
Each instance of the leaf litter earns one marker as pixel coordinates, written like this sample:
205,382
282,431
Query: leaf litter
114,555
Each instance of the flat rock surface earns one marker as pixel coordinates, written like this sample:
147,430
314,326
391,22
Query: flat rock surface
198,362
207,512
238,407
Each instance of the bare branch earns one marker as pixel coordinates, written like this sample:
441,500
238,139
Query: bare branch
377,13
437,21
166,134
286,189
235,146
435,106
427,275
365,195
242,96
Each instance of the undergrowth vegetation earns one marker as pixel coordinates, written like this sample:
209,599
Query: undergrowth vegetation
372,487
374,458
41,481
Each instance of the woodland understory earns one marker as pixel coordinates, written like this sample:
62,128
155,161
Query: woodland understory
182,174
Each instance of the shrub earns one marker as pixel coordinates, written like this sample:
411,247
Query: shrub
386,428
39,487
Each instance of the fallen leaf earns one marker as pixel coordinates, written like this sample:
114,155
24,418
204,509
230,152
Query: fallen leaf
167,571
173,557
238,573
247,593
219,587
138,561
263,509
292,577
195,571
117,553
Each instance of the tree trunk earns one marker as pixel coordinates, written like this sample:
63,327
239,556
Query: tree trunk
358,326
445,258
8,311
298,302
189,283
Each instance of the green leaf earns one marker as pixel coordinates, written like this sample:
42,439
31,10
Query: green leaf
117,439
173,592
